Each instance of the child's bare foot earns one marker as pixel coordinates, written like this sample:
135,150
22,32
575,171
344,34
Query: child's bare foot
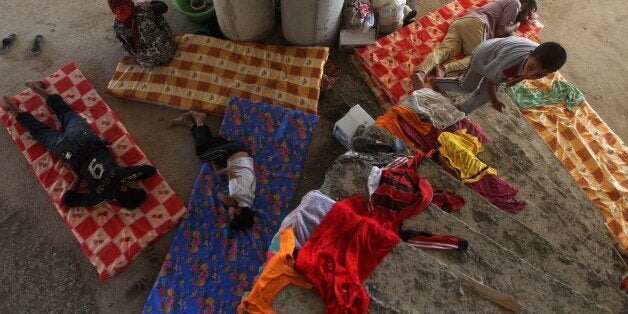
199,117
36,84
10,105
418,80
183,120
39,87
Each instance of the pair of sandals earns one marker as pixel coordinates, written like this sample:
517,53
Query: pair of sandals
7,42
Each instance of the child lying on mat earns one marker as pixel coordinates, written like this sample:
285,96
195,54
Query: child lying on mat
79,147
143,31
499,18
501,60
228,158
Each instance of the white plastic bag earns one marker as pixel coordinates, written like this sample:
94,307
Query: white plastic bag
391,16
382,3
438,107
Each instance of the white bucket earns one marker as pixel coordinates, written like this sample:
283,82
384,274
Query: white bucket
246,20
311,22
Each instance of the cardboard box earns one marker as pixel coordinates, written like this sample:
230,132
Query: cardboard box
349,38
346,127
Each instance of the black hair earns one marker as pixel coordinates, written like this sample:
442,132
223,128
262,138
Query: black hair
552,56
531,5
244,220
220,162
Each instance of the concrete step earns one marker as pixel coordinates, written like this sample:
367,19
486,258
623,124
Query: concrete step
413,281
407,281
558,208
503,270
524,242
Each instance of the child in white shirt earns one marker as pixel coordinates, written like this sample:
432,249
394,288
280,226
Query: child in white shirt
228,158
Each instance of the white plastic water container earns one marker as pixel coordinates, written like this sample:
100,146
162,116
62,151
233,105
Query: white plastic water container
345,128
311,22
246,20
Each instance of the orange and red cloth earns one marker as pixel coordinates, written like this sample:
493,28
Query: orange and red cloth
391,60
206,71
592,153
111,237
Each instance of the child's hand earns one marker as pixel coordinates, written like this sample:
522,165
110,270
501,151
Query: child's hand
226,199
498,105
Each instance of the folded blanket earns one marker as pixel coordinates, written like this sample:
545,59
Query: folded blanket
206,71
392,59
209,267
592,153
111,237
307,216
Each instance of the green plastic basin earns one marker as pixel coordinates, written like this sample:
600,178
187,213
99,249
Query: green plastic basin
183,6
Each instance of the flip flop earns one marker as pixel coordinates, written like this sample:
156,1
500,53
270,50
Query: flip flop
6,43
36,47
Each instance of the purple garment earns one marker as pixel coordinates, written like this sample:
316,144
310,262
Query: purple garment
473,128
425,142
499,192
495,190
429,141
496,13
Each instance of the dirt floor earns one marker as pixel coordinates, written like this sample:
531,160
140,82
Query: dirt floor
42,268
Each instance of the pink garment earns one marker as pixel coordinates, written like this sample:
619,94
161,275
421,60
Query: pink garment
426,142
499,193
495,190
473,128
429,141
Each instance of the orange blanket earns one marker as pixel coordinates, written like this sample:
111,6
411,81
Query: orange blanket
206,71
594,155
391,60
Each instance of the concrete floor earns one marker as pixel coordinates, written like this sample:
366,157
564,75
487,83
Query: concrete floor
42,266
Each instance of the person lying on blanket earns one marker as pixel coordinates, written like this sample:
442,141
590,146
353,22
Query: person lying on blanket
228,158
86,153
502,60
143,31
499,18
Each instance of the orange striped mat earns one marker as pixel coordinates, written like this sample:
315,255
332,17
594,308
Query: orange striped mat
206,71
594,155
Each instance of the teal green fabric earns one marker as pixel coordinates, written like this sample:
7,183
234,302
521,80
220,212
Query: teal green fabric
561,92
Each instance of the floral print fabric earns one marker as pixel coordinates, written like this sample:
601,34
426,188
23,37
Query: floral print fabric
209,266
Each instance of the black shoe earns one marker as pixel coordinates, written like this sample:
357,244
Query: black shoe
36,47
6,43
409,18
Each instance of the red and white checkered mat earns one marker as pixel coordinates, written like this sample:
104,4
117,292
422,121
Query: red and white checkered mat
392,59
111,237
